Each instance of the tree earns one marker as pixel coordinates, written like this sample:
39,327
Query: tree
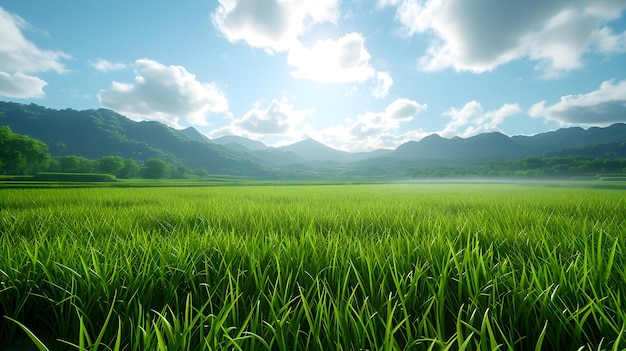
130,169
155,168
202,173
110,165
180,171
76,164
20,154
532,162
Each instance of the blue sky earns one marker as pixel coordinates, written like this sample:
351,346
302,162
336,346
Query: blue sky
357,75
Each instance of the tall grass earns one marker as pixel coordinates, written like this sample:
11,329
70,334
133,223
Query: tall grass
393,267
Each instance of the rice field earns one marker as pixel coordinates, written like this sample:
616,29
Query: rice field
345,267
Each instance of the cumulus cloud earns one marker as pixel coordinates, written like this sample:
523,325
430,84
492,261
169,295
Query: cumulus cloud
600,107
19,56
106,66
333,61
279,118
21,86
480,36
471,119
273,25
166,94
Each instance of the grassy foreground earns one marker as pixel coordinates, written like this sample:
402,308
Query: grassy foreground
370,267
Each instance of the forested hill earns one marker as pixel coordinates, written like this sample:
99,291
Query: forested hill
96,133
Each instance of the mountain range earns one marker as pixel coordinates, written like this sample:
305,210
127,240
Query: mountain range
101,132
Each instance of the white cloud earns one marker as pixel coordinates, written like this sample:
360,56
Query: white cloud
279,118
480,36
345,60
274,25
607,42
372,124
106,66
375,130
166,94
600,107
471,119
19,56
383,83
402,110
21,86
333,61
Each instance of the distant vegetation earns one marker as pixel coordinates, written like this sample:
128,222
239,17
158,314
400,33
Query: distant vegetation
533,167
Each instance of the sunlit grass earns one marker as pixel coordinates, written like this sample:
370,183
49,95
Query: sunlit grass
379,267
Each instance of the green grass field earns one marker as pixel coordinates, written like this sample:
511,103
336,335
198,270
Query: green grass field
344,267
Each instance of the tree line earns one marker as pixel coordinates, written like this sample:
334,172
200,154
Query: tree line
22,155
533,166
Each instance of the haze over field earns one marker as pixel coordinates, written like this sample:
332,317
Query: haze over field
354,75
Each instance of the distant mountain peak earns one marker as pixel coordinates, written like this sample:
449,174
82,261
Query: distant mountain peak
432,137
310,141
249,144
193,134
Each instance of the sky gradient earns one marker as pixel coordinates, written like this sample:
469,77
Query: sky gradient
356,75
